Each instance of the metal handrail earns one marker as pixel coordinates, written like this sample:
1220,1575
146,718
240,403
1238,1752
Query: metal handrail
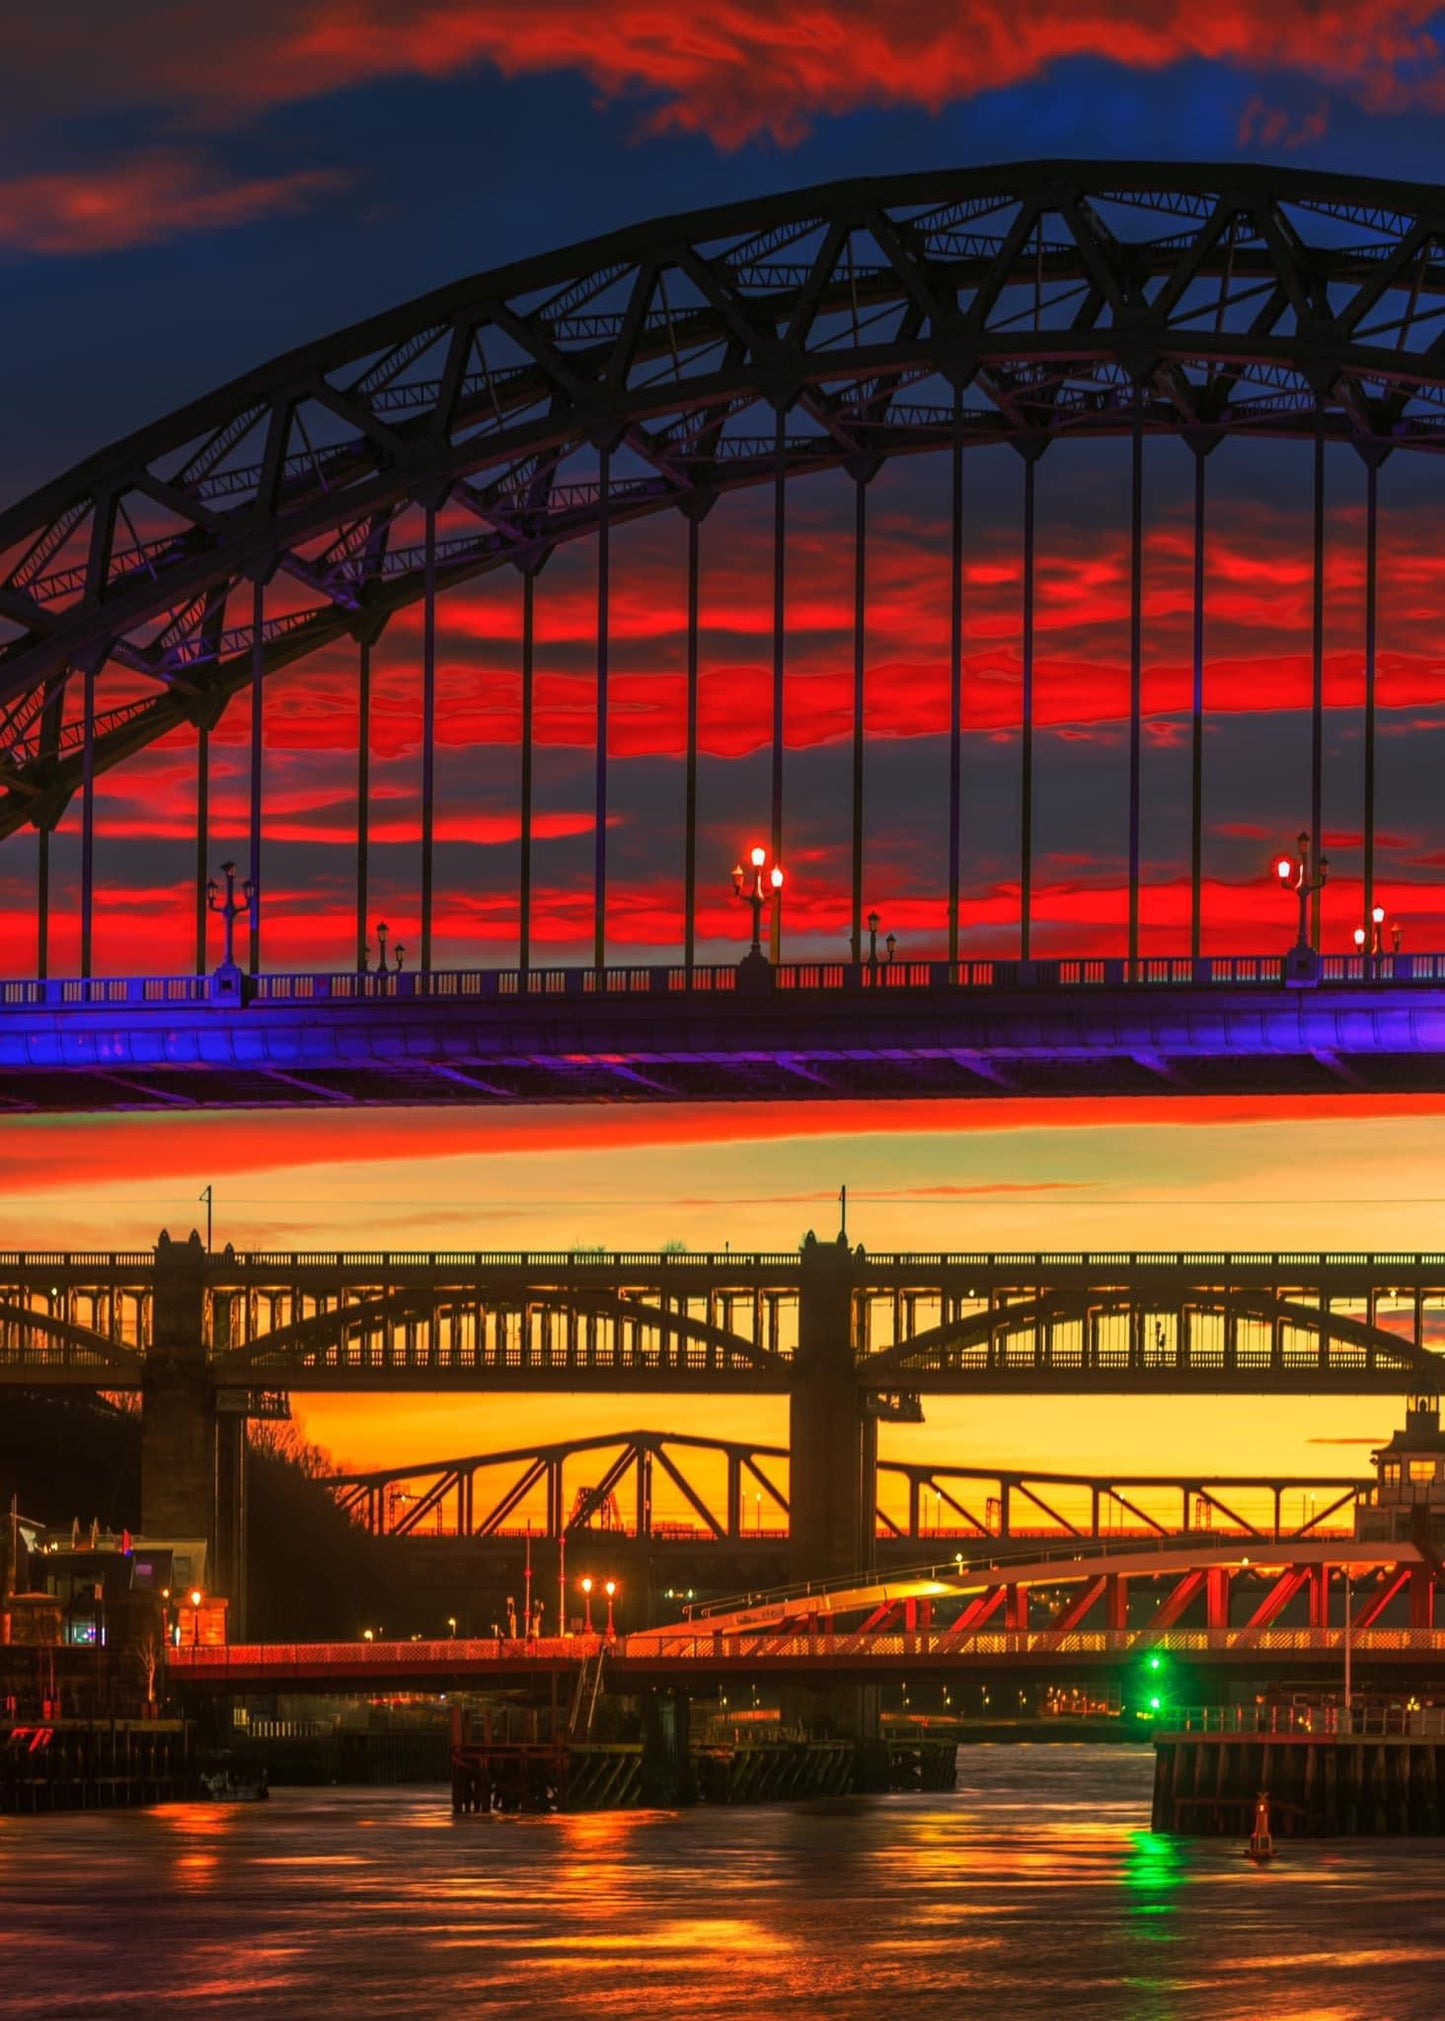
654,979
687,1644
1327,1719
743,1260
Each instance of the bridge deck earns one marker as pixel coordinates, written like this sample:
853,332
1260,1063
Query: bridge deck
461,1665
814,1031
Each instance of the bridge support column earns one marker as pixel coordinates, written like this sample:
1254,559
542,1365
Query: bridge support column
1116,1603
833,1442
1422,1597
666,1760
178,1421
229,1572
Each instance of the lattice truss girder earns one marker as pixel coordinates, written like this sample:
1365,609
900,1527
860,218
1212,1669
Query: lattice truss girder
541,1329
1203,1329
678,360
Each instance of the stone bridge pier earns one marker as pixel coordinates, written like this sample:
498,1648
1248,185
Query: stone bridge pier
832,1437
193,1458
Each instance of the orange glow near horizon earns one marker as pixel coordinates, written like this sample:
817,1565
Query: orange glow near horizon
1153,1174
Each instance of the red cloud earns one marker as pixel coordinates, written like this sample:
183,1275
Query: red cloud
735,70
153,196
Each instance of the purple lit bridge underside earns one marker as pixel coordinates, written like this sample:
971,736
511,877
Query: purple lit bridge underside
1214,1027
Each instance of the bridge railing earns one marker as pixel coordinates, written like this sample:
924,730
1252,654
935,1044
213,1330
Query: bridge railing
1420,1721
779,1647
674,979
453,1652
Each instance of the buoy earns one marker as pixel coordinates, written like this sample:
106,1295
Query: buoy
1261,1843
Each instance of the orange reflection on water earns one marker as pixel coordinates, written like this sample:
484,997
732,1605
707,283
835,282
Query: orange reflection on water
199,1831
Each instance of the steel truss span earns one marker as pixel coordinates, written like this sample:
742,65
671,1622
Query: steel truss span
900,1326
553,400
736,1492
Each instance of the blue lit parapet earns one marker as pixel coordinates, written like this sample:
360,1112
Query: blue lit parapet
1078,1026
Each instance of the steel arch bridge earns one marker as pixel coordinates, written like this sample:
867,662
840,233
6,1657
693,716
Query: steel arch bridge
555,400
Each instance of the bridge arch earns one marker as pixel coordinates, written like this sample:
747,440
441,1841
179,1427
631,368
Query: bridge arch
38,1346
485,425
458,1337
1020,1338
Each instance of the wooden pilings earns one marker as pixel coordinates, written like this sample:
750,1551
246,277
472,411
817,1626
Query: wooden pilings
617,1775
1205,1784
94,1764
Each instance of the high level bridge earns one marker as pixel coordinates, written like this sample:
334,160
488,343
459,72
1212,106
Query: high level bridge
849,1338
305,532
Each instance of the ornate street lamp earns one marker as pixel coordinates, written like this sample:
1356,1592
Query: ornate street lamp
382,930
587,1605
610,1589
765,884
1295,873
890,945
230,909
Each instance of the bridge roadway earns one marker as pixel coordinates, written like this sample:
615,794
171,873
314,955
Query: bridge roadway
1059,1615
801,1030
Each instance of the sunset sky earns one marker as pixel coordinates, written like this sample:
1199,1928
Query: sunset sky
186,191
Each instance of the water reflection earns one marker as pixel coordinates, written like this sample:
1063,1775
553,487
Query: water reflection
1033,1893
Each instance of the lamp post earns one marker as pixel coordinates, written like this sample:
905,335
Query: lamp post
382,968
1371,938
230,908
587,1605
890,944
756,886
196,1596
610,1589
1304,879
1349,1610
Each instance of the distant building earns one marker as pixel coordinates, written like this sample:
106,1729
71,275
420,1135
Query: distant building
106,1589
1409,1492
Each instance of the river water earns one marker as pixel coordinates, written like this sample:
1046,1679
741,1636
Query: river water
1036,1890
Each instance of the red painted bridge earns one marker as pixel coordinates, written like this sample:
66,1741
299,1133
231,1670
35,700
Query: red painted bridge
1284,1612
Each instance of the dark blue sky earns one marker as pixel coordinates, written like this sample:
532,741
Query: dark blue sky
183,195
